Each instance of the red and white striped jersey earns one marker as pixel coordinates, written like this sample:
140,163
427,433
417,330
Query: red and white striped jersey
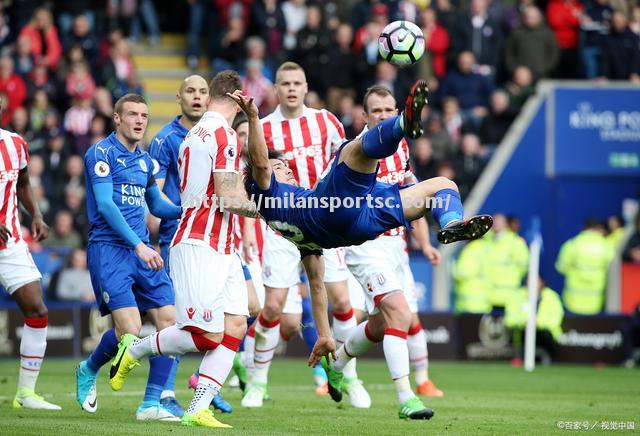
395,169
210,146
15,157
260,229
307,142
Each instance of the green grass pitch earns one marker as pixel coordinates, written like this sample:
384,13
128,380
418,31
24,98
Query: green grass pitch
480,398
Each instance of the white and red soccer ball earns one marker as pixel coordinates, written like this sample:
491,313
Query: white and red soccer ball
401,43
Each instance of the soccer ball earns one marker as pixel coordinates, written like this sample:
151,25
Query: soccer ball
401,43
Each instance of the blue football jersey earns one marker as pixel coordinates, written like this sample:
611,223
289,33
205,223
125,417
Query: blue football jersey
304,216
164,149
131,173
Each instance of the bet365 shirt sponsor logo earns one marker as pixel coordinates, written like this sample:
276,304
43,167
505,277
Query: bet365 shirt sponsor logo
8,176
132,195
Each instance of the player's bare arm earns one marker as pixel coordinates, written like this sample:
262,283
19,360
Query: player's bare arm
39,229
258,151
249,240
325,346
229,191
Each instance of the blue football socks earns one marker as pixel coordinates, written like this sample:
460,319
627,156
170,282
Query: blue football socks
447,207
382,140
104,352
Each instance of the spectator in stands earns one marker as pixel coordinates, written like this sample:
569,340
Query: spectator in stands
103,104
82,36
130,85
520,88
471,89
63,233
270,24
452,119
564,17
146,13
74,203
584,261
120,14
295,17
67,12
341,58
312,47
594,26
448,17
23,58
533,45
620,52
74,169
496,124
99,128
549,317
20,123
54,156
12,85
40,79
631,252
480,34
118,67
43,37
444,147
228,50
77,120
5,31
79,82
423,165
258,86
434,61
469,163
634,24
256,49
73,283
512,17
507,261
37,111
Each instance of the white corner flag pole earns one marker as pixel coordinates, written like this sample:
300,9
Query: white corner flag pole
532,284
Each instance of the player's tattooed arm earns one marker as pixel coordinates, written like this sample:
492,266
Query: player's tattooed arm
231,195
325,346
39,229
258,151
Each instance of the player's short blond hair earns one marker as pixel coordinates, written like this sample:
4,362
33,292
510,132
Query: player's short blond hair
289,66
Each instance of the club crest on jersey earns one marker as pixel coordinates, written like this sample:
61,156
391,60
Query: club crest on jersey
190,312
230,152
143,165
207,315
101,169
105,297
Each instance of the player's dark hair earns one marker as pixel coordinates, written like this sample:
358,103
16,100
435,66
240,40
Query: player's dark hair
240,118
248,174
288,66
127,98
380,90
224,82
592,223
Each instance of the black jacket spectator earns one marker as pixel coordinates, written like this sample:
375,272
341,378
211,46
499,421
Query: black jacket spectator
620,51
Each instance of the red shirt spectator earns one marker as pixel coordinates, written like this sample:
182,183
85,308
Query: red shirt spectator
79,82
564,19
13,87
42,33
437,39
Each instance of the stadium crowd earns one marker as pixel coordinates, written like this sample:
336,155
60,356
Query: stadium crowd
64,63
